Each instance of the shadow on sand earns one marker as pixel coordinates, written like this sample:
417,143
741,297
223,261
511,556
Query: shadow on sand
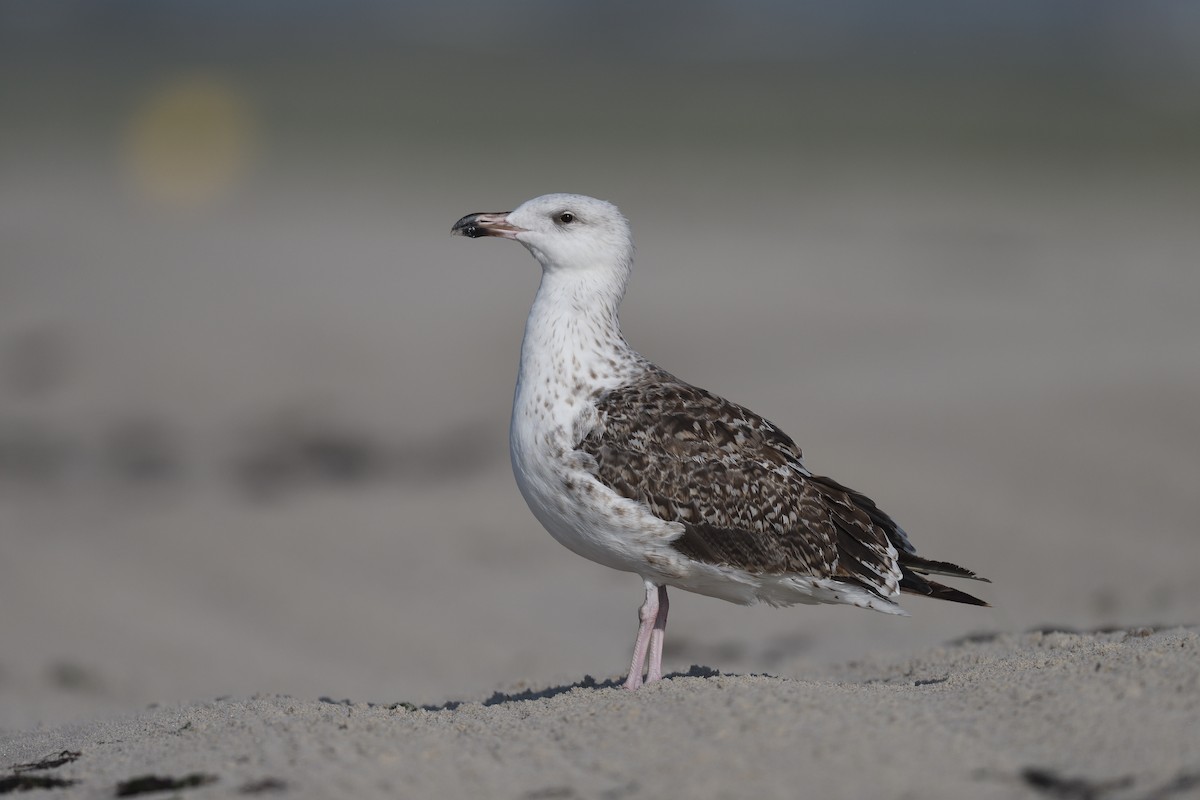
588,682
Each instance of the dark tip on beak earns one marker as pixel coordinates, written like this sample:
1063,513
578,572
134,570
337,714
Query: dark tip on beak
474,226
467,227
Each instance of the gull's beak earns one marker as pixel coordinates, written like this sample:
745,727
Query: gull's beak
476,225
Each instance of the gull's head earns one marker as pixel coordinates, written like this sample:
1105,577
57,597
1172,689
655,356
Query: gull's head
562,231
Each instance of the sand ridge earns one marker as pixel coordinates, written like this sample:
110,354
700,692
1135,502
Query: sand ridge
1053,714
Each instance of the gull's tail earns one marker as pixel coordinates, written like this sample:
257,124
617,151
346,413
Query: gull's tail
913,580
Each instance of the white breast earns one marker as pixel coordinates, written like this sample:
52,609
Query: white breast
567,359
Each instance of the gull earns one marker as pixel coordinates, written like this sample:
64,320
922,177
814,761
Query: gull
631,467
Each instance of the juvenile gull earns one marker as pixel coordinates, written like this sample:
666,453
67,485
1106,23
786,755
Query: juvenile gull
627,465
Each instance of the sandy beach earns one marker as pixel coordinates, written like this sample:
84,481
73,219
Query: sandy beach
1066,715
294,542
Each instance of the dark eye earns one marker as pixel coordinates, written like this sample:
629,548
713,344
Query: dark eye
565,218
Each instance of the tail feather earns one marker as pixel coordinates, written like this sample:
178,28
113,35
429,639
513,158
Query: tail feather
928,567
913,570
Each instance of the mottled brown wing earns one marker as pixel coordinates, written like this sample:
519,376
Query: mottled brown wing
738,486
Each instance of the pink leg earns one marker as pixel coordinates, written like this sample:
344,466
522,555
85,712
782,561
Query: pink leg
648,614
657,636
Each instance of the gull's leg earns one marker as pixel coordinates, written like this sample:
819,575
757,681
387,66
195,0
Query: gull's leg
657,635
647,614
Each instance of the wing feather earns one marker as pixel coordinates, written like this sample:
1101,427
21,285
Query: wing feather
738,486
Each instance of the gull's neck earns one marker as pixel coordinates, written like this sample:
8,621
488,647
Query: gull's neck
573,326
573,347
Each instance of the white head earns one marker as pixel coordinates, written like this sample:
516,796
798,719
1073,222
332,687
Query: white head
567,232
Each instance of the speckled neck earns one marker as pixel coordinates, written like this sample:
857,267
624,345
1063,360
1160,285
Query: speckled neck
573,350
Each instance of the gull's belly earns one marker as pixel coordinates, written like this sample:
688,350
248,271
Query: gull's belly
585,516
571,507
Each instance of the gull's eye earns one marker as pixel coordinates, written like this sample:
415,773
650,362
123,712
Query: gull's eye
565,218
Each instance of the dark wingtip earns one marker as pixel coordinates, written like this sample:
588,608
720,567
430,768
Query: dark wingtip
930,567
912,583
956,596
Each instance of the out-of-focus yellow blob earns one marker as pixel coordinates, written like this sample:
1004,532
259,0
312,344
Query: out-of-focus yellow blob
189,143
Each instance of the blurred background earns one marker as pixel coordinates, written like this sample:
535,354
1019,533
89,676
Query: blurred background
254,397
